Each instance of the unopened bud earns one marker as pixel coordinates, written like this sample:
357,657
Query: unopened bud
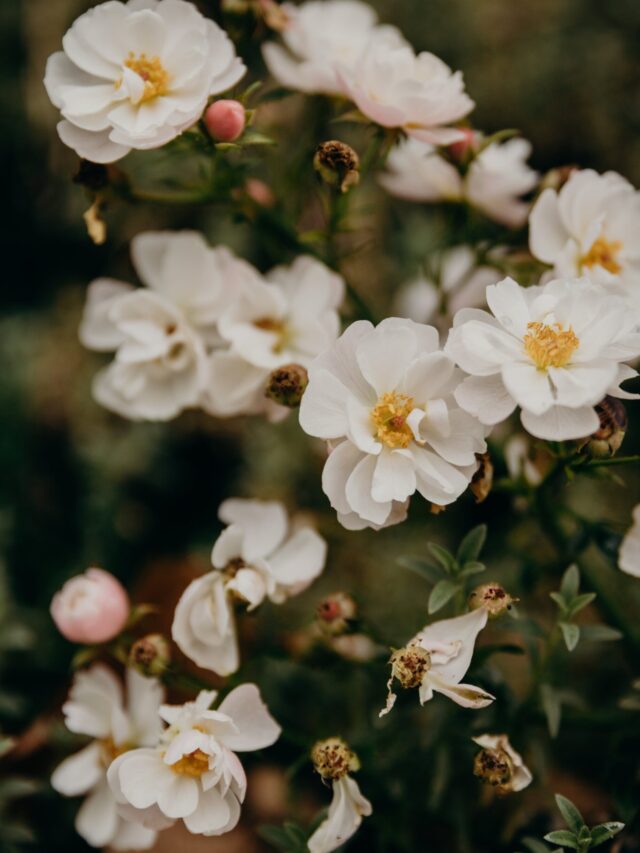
461,150
225,120
337,164
608,438
409,665
495,767
150,655
482,480
493,597
287,384
335,612
333,759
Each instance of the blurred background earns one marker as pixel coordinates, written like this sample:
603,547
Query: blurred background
79,486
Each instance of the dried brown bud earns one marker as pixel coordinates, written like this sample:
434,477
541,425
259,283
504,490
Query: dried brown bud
287,384
96,226
150,655
608,438
495,767
335,612
482,480
436,509
409,664
337,164
93,176
493,597
333,759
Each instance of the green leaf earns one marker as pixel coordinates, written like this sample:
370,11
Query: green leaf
552,707
421,567
599,633
604,831
6,745
15,787
561,836
570,583
535,846
473,567
472,545
559,600
580,602
571,634
444,557
288,838
570,813
442,592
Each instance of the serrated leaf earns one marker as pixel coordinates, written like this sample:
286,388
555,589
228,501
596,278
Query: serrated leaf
562,836
604,831
472,545
599,633
552,707
422,567
570,583
580,602
571,634
570,813
444,557
559,600
473,567
442,592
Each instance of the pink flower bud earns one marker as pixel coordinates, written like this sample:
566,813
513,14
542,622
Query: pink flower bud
460,149
225,120
90,608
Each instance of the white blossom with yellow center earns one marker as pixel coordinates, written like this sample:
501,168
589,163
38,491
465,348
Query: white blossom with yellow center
194,773
383,398
554,350
591,228
136,75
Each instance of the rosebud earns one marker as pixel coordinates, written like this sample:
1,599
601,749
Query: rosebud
259,192
461,150
91,608
493,597
337,164
150,655
607,439
409,665
335,612
225,120
333,759
494,766
482,480
287,384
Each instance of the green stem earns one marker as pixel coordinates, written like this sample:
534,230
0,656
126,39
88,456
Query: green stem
602,463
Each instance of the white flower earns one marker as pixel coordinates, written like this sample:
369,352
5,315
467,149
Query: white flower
256,557
494,182
194,773
629,553
286,319
319,36
448,645
394,87
501,758
346,811
160,332
591,228
384,397
462,284
95,707
554,350
136,75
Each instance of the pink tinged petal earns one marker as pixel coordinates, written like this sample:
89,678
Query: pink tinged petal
338,468
79,772
529,387
561,423
360,427
264,523
384,355
582,384
323,410
142,775
256,727
346,811
212,814
180,797
358,490
300,559
486,398
465,695
547,232
394,478
460,634
97,820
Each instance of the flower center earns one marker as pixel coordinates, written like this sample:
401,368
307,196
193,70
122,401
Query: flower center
110,751
152,71
390,419
194,764
550,346
603,253
277,327
494,766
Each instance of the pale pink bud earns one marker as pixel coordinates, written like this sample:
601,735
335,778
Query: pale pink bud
259,192
460,149
225,120
90,608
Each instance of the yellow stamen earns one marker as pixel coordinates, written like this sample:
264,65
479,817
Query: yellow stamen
194,764
110,751
278,327
603,253
390,419
550,346
151,70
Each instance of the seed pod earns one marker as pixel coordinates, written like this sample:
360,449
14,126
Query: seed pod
337,164
287,384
